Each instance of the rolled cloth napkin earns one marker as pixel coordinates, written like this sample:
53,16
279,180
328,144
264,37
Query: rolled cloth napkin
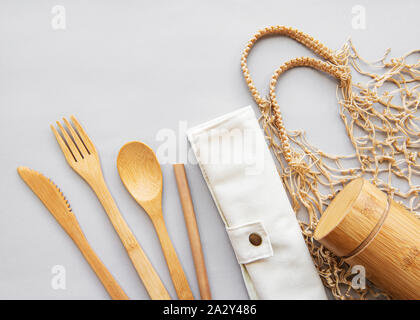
262,227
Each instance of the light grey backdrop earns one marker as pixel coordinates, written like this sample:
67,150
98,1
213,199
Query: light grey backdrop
127,70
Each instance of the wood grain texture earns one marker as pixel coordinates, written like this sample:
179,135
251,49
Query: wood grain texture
392,255
82,156
54,200
344,212
141,174
192,228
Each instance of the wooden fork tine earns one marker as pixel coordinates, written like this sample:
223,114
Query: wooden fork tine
85,138
67,153
69,142
79,143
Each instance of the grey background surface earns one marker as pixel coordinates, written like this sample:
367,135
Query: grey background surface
128,70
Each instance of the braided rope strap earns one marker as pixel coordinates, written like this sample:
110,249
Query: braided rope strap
333,66
299,62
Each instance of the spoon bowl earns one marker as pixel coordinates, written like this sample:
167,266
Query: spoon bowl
140,171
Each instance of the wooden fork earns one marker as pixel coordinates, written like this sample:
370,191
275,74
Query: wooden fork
82,156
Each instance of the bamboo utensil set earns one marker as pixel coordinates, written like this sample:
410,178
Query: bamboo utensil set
362,224
141,174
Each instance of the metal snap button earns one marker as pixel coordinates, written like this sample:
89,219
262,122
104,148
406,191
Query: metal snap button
255,239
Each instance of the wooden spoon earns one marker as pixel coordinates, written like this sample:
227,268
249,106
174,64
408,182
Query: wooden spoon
141,174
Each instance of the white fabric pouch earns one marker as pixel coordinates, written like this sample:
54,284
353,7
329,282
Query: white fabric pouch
262,227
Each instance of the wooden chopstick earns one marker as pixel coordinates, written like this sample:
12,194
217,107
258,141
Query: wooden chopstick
192,228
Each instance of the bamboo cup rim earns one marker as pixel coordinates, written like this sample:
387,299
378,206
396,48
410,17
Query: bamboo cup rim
338,209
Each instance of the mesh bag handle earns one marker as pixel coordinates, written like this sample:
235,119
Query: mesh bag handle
333,66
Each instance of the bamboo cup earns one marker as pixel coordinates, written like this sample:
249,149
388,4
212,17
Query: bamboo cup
367,228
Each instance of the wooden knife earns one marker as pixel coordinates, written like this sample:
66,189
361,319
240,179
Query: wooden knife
56,203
